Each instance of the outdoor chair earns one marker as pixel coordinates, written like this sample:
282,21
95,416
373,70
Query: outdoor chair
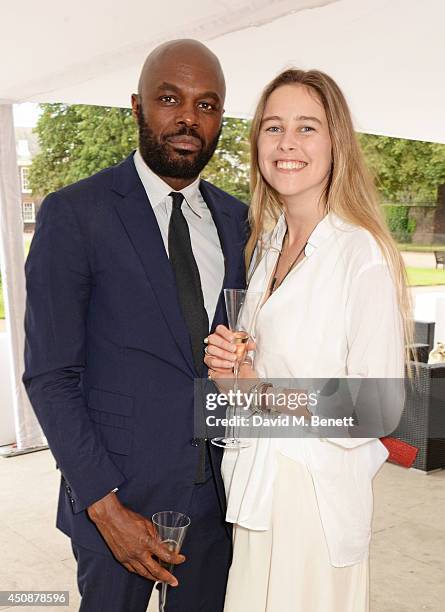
424,334
423,419
440,258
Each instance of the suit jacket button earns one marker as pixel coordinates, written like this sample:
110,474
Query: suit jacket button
195,442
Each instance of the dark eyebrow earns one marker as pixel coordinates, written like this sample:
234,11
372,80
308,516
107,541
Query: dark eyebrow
170,86
206,94
298,118
210,94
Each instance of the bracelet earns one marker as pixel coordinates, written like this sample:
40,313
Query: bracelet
259,389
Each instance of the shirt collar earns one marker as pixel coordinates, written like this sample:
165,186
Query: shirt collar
321,232
158,190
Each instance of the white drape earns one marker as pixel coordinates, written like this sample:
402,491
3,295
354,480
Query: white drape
28,432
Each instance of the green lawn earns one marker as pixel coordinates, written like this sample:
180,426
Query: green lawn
27,243
425,276
418,248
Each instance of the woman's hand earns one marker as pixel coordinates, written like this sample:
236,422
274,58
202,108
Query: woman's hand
220,355
221,351
246,371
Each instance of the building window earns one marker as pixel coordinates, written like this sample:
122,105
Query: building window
29,212
24,171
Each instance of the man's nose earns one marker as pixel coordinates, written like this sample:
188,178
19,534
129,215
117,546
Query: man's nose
188,115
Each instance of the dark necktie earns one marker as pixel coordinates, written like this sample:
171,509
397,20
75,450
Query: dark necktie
188,280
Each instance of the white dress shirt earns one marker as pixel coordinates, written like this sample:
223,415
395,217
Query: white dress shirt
335,315
203,233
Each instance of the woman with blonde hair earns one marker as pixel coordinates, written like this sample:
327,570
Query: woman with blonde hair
335,305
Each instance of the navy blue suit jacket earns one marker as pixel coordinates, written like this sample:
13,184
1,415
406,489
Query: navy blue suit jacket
108,362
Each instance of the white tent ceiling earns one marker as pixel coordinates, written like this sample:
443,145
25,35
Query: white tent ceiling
388,55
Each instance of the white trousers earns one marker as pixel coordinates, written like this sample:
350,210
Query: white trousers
287,568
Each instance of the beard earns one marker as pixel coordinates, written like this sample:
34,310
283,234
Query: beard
155,152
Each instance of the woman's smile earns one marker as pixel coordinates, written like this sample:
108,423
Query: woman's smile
290,166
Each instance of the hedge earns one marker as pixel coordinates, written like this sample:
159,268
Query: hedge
399,223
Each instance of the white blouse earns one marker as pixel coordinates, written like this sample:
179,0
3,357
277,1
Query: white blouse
335,315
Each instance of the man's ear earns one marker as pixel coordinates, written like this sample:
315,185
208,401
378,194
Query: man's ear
135,105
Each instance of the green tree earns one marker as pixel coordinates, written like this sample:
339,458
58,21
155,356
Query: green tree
229,167
407,171
77,141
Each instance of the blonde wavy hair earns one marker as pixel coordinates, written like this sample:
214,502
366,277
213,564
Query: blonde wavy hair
350,191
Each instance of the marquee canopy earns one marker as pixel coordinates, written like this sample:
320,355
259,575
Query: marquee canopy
387,55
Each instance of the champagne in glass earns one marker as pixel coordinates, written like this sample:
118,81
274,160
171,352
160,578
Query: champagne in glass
241,339
172,528
235,299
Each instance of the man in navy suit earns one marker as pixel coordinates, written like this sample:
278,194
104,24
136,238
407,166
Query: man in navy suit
124,280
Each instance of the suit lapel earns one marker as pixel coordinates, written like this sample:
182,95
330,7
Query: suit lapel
138,218
229,235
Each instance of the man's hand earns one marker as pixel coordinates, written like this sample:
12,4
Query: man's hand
133,540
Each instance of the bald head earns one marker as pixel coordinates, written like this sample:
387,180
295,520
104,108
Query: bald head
179,108
186,54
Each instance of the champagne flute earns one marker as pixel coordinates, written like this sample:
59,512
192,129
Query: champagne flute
171,528
241,306
235,299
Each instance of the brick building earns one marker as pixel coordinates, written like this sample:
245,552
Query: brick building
27,147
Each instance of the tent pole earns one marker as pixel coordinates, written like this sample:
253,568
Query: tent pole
29,435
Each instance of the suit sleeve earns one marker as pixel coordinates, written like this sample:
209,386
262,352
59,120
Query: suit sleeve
59,282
